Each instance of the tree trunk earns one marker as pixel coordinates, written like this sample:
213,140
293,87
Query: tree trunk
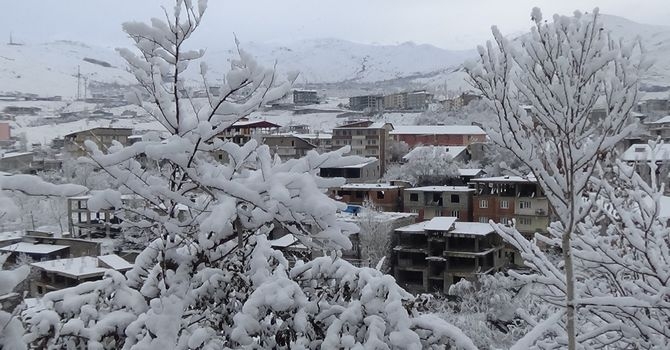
570,289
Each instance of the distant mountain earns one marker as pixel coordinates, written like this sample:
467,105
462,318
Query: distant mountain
51,68
335,60
655,40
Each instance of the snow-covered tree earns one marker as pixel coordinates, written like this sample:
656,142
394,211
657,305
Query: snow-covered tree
209,278
543,90
374,237
429,165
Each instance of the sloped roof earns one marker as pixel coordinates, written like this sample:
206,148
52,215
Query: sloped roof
441,151
642,152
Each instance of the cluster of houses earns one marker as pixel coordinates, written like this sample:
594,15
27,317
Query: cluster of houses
437,234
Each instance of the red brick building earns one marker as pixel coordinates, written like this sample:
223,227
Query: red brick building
438,135
386,196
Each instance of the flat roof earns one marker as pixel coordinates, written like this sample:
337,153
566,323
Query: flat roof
115,262
441,189
469,172
33,248
83,266
437,130
506,178
15,154
472,228
445,223
363,186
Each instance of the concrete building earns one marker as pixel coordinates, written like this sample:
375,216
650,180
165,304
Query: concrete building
395,101
385,196
366,172
305,97
17,162
288,146
366,102
103,137
654,104
65,273
431,201
432,255
367,139
504,198
418,100
243,130
456,153
438,135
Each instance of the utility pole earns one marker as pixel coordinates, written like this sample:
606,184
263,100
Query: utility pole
78,79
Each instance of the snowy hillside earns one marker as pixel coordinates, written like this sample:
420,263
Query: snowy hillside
334,60
655,39
51,68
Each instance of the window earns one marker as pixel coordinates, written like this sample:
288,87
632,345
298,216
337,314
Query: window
358,194
414,210
455,198
380,194
413,197
483,219
505,221
483,203
456,213
525,221
504,204
524,205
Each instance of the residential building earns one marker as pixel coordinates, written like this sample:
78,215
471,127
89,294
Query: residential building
461,100
103,137
395,101
5,132
641,156
17,162
659,128
654,104
305,97
432,255
418,100
288,146
35,251
467,175
385,196
367,139
366,102
438,135
69,272
505,198
322,141
82,222
243,130
365,172
431,201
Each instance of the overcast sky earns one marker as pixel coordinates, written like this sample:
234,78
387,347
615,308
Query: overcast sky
448,24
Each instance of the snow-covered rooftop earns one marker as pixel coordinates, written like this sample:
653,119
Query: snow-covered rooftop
437,130
472,228
10,235
287,240
642,152
15,154
434,151
469,172
442,189
360,165
507,178
440,223
663,120
380,186
33,248
447,223
81,267
115,262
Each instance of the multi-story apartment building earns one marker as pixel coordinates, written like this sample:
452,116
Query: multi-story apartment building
367,139
395,101
431,201
385,196
103,137
432,255
504,198
305,97
418,100
438,135
369,102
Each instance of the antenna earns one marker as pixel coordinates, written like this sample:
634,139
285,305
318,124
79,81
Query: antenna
78,79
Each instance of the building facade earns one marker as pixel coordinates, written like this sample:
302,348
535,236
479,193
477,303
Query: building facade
103,137
288,146
432,255
431,201
305,97
385,196
367,139
438,135
366,172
